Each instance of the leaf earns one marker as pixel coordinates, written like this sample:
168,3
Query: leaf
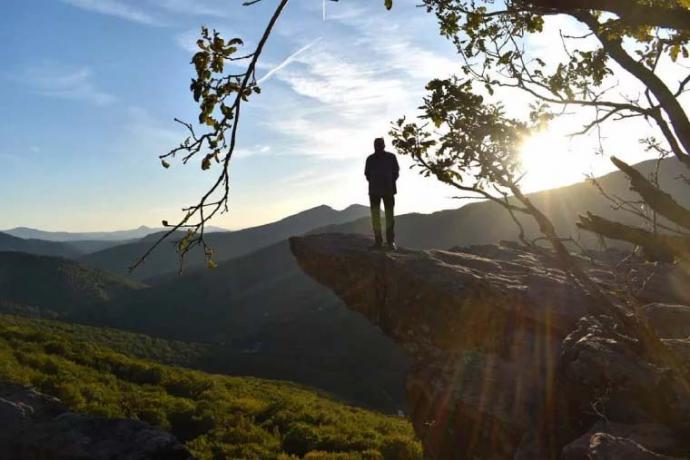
165,164
211,264
675,50
206,162
165,223
389,4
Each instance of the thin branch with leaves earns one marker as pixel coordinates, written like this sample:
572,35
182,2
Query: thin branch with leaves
220,97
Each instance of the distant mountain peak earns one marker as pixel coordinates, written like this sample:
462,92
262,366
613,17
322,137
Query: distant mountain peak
355,206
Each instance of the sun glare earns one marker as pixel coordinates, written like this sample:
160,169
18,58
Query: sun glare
549,159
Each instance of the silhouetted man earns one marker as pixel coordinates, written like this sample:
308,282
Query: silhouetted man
382,171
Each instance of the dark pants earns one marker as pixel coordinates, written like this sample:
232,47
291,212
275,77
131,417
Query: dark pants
389,204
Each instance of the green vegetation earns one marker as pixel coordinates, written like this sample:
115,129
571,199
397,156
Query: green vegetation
65,285
164,351
216,416
258,315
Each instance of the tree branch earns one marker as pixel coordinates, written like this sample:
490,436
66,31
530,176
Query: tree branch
633,12
660,247
667,100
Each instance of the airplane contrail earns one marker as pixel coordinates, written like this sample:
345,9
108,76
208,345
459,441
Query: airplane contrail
287,60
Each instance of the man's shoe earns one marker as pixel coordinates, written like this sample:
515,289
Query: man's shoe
391,246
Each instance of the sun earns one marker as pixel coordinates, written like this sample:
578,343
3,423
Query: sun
551,159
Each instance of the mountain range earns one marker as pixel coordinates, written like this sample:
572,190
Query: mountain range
115,235
262,316
225,245
40,247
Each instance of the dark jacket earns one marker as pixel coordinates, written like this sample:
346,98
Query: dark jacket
382,171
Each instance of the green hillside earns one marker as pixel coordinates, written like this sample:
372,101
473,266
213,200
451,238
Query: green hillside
266,318
216,416
55,284
173,352
258,315
41,247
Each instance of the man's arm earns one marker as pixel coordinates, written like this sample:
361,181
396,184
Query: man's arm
396,168
367,169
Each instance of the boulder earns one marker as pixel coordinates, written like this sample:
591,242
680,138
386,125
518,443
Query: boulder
605,372
37,426
603,446
665,283
669,321
622,439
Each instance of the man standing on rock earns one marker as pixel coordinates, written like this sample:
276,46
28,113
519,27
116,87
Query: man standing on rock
382,172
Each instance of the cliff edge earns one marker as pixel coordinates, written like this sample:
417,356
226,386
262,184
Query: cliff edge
510,362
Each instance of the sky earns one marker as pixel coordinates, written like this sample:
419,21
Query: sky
90,88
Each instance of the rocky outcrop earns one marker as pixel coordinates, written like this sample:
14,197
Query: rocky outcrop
509,356
609,439
37,426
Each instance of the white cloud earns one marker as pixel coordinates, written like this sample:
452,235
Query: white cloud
116,8
344,11
312,178
288,60
187,40
216,9
64,82
349,88
340,97
258,149
153,12
154,136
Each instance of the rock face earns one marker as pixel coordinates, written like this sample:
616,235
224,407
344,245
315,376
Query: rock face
37,426
508,355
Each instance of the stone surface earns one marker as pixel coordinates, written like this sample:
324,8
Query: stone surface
423,297
602,366
37,426
665,283
669,321
604,446
509,358
655,438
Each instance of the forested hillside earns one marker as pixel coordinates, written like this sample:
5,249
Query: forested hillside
41,247
269,320
216,416
55,285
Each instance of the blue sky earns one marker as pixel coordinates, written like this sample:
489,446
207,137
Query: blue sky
90,89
